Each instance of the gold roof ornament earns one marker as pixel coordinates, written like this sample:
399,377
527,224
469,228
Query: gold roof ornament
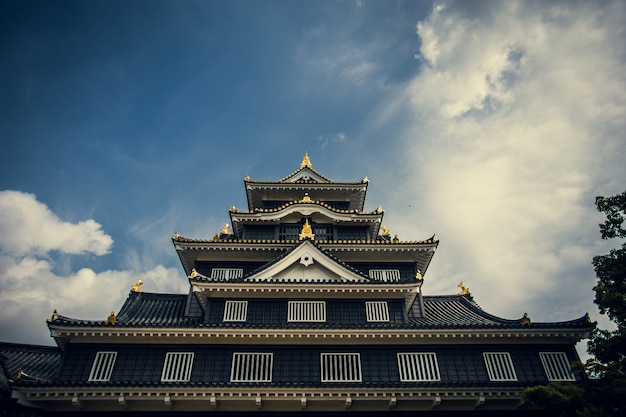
136,286
216,238
176,236
306,161
247,179
418,275
225,229
232,208
306,198
526,320
395,239
379,209
365,179
112,319
464,288
307,231
54,315
385,231
435,238
193,274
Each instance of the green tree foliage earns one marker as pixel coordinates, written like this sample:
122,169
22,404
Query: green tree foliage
604,394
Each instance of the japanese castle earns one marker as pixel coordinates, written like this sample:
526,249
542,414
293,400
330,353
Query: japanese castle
305,304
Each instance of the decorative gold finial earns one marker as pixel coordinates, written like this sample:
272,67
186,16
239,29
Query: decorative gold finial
306,161
193,274
395,239
112,319
379,209
247,179
418,275
464,288
435,238
526,320
232,208
135,287
307,231
54,315
225,229
176,236
385,231
216,238
306,198
365,179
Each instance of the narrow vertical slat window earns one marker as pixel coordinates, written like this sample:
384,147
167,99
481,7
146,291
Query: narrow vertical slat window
377,311
417,367
177,367
385,275
557,366
306,311
499,366
340,367
235,311
102,366
251,367
226,274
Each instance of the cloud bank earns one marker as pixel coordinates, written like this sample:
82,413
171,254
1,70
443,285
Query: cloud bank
30,289
519,122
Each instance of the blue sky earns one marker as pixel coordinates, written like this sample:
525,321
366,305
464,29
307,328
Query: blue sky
492,124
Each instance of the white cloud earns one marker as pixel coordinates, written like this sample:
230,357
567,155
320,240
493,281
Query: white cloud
519,124
30,289
29,227
325,140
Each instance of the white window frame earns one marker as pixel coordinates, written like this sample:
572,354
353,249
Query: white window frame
102,367
340,367
385,275
235,311
177,367
377,311
556,366
251,367
499,366
306,311
418,366
226,274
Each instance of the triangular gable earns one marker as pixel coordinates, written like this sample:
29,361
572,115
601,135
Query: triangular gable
307,263
306,174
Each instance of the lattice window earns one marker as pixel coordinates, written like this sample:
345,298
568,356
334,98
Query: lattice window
102,366
377,311
235,311
177,367
226,274
416,367
251,367
557,366
385,275
499,366
340,367
306,311
289,232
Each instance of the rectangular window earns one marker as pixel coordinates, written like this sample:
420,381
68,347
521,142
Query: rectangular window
340,367
377,311
306,311
102,366
235,311
416,367
177,367
226,274
385,275
557,366
499,366
289,232
251,367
